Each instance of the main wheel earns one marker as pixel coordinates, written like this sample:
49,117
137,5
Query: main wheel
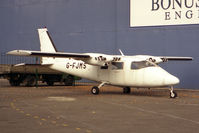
126,90
173,94
95,90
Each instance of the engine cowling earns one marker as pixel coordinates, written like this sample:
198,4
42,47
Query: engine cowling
100,60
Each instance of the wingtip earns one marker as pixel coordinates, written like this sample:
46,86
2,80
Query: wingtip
192,58
12,52
18,52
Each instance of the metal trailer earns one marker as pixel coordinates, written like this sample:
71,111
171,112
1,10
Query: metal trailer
30,74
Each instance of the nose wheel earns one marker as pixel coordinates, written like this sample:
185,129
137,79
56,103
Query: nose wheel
173,94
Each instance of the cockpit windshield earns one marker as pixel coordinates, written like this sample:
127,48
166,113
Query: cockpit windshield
141,64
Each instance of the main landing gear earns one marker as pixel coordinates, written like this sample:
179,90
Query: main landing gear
173,94
126,90
95,89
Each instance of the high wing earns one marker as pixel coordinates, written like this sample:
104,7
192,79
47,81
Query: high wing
170,58
95,58
47,54
160,59
89,58
48,49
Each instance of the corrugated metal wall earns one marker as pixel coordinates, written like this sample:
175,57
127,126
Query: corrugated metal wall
97,26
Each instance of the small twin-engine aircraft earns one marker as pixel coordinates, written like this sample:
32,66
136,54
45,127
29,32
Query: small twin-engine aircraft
117,70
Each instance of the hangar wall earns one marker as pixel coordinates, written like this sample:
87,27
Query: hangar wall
97,26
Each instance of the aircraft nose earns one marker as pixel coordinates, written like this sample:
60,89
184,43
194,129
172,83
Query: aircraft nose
171,80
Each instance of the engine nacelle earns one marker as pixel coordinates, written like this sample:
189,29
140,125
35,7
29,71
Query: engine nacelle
100,60
157,60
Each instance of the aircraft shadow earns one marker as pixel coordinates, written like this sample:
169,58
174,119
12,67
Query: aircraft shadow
150,93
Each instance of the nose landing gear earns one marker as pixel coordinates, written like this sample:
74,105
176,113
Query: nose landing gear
173,94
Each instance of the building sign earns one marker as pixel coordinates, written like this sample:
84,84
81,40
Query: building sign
163,12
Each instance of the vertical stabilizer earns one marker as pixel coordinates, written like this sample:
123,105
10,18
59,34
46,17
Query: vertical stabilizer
46,45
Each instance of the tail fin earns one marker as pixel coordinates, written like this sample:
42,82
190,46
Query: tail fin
46,45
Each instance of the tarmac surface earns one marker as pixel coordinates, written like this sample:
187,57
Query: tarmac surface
62,109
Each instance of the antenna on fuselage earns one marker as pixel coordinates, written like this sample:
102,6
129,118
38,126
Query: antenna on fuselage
121,52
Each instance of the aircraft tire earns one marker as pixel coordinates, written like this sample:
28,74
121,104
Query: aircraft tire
126,90
95,90
173,94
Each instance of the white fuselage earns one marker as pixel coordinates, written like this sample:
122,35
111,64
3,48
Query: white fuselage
119,73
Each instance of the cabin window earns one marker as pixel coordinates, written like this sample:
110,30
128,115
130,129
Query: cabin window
104,67
117,65
141,64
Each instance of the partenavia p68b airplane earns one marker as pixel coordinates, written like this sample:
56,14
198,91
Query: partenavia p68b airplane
117,70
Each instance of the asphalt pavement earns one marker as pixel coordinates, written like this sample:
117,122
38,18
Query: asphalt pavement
73,109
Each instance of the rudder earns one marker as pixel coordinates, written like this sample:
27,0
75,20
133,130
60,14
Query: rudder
46,45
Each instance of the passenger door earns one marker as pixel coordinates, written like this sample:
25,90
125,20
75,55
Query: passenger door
103,73
117,73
